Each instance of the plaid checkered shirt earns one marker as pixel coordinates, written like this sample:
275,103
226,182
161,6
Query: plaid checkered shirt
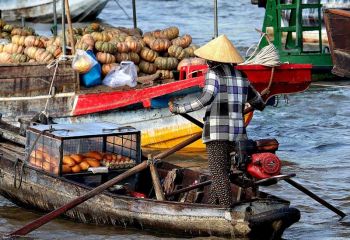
225,93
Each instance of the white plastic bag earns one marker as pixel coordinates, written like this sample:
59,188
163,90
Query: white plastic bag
124,74
83,62
4,41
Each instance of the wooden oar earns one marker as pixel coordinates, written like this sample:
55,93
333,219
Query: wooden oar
290,181
48,217
200,124
315,197
59,211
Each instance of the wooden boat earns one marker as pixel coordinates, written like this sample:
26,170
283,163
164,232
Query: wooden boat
144,107
42,11
257,214
338,25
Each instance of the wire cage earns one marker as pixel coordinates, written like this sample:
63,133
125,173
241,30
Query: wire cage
76,148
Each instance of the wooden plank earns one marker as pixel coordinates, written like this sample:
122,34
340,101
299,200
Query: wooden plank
11,147
11,133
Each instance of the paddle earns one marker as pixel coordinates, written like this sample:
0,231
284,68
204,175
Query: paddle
315,197
57,212
290,181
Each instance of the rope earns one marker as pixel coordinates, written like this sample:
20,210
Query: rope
54,63
268,56
122,9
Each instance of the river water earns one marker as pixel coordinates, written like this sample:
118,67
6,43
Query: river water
313,129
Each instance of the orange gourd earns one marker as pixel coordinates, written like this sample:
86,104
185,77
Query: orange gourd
95,26
148,38
82,45
134,46
122,57
106,68
165,74
18,39
53,41
88,40
134,57
54,50
8,28
148,54
165,63
19,58
169,33
43,56
5,57
93,162
67,160
105,57
13,48
157,33
78,158
100,36
183,41
177,52
122,47
160,45
76,168
147,67
30,41
66,168
84,165
190,62
105,47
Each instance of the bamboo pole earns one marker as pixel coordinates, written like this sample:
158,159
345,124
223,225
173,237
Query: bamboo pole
155,180
70,28
134,18
64,29
54,18
216,27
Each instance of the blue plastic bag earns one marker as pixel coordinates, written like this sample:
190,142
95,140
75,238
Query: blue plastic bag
92,77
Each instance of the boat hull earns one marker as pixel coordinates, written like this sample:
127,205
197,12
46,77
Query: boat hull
42,11
45,193
338,25
144,108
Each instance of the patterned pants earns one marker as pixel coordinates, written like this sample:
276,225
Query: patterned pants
219,166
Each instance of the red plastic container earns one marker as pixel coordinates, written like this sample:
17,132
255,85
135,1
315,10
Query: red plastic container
193,71
287,78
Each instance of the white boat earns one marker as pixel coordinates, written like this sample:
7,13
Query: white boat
42,10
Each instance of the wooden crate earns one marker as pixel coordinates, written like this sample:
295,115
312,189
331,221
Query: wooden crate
34,79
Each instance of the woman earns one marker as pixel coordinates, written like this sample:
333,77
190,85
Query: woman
225,93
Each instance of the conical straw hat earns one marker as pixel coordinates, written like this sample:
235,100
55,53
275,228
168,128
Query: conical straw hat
219,49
